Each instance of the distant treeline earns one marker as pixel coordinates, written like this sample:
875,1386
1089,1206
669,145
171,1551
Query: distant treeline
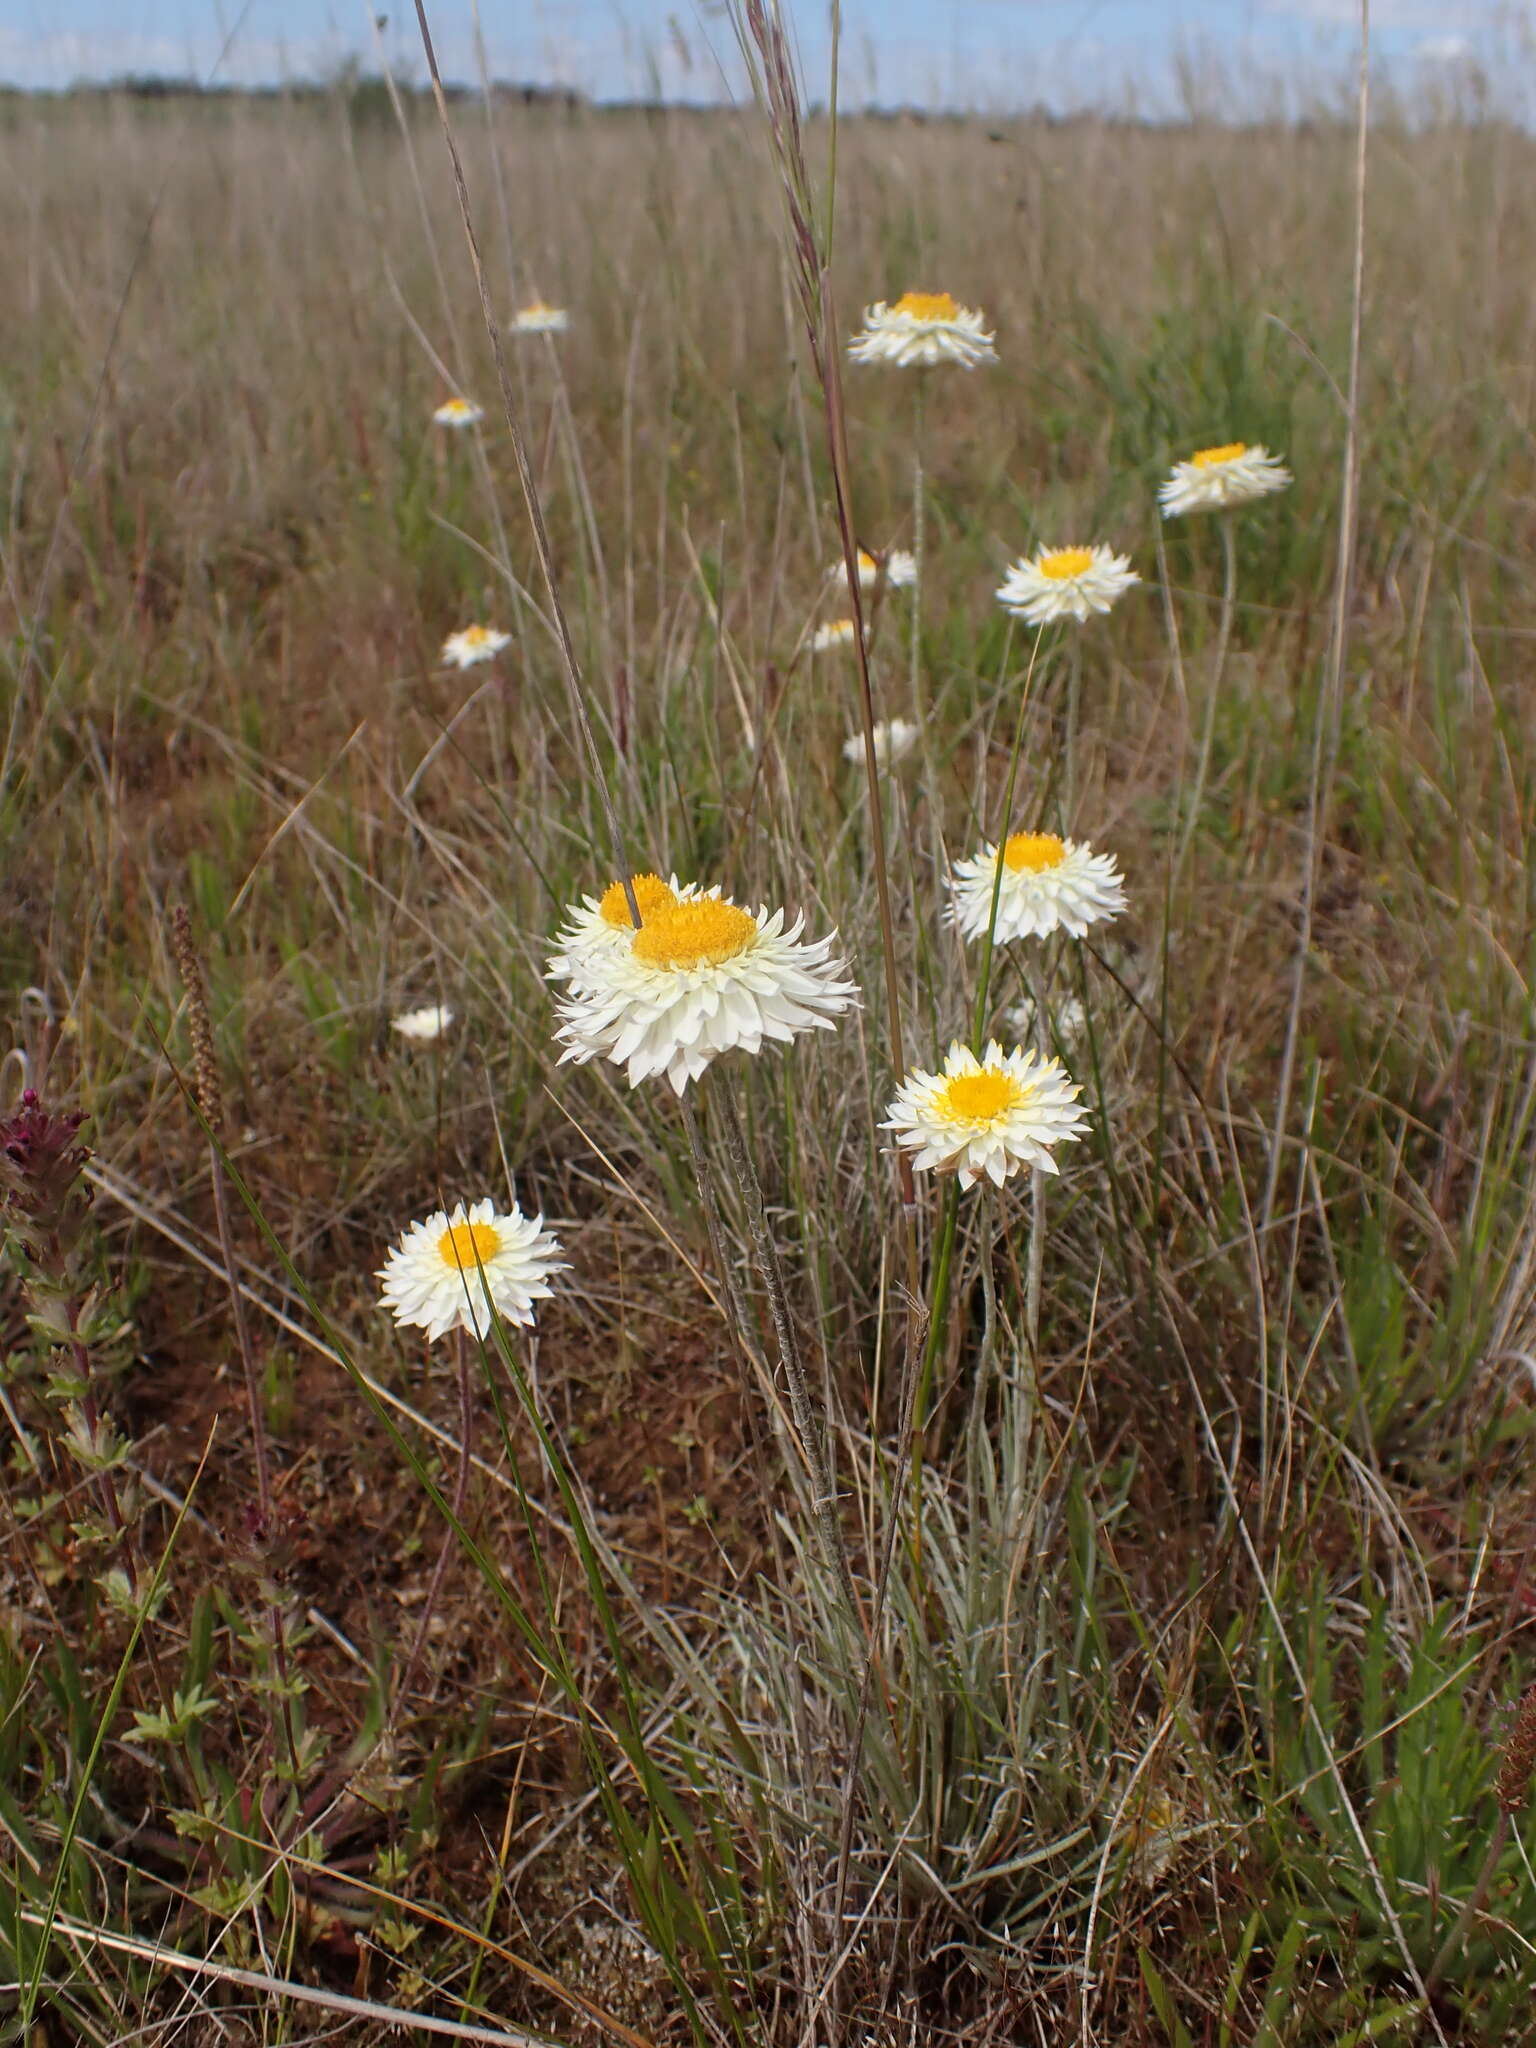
366,95
362,91
368,101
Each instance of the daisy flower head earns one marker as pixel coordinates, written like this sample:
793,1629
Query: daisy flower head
538,318
1048,884
424,1024
474,644
986,1117
894,740
1061,583
701,978
900,569
600,925
1217,479
920,330
835,633
458,412
457,1271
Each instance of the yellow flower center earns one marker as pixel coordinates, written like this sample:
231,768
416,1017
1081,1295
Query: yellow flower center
1062,564
651,894
1212,458
475,636
1033,852
867,563
469,1246
978,1098
699,934
926,306
457,405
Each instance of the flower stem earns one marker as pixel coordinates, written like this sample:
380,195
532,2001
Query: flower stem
919,695
1074,718
1213,686
450,1534
808,1427
1034,1279
984,976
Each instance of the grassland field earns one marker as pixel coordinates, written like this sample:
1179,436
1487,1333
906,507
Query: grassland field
1178,1698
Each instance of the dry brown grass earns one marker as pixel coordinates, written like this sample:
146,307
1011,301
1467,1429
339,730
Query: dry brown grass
232,567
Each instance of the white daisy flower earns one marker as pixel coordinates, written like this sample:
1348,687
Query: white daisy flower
835,633
1216,479
454,1272
701,978
474,644
900,569
921,329
1049,884
458,412
987,1116
1066,583
600,925
538,318
894,739
428,1023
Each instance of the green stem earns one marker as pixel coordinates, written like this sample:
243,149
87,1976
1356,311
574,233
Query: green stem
1213,687
813,1443
1035,1278
919,695
984,979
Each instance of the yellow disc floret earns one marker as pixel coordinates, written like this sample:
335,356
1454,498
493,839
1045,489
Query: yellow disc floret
468,1246
1033,852
926,305
697,934
1062,564
1212,458
651,894
977,1098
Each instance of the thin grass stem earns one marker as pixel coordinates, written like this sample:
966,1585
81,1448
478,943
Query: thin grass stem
1212,688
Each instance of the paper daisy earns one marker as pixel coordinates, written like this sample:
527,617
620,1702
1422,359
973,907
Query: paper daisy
986,1117
600,925
921,329
540,319
454,1272
1049,884
900,569
474,644
1216,479
894,738
458,412
1066,583
429,1023
835,633
701,978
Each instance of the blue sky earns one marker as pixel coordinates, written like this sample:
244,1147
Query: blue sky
991,54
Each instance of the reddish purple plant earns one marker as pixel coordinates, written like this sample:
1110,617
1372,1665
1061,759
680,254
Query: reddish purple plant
40,1163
